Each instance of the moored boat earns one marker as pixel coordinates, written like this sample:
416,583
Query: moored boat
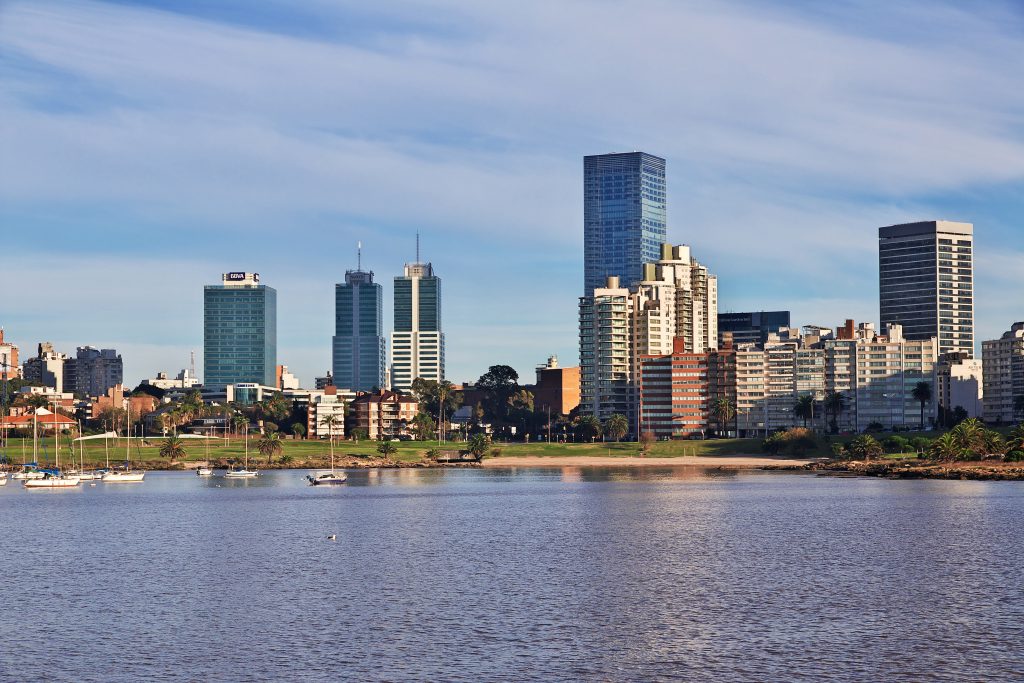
53,479
329,478
204,471
241,473
125,476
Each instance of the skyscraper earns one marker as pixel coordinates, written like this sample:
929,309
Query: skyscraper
417,343
926,282
623,216
93,371
358,342
239,331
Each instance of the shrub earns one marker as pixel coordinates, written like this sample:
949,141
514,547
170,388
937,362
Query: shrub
1014,456
839,451
865,447
433,454
896,444
875,427
920,443
774,444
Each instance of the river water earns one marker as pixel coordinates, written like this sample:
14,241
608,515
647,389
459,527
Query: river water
598,574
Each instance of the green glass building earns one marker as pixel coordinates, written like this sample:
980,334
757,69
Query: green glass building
239,331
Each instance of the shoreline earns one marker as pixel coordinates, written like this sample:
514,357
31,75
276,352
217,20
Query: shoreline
737,462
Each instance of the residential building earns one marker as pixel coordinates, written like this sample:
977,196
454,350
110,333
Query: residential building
1003,372
751,327
117,398
285,379
93,371
624,216
417,342
959,383
322,407
47,368
889,367
325,381
674,390
239,332
9,367
358,344
606,358
383,414
926,282
41,419
557,388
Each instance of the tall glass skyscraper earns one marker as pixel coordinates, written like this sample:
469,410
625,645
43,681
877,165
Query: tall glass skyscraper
239,331
926,282
417,343
358,342
623,216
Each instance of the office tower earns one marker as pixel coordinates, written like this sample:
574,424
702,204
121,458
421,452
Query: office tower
93,371
623,216
358,343
926,282
1003,376
751,327
417,343
239,332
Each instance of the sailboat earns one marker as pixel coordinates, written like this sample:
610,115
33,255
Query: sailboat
127,474
51,478
237,472
83,473
328,478
205,470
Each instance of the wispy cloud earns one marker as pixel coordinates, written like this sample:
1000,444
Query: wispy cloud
279,136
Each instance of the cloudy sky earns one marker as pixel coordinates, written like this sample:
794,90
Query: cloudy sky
147,147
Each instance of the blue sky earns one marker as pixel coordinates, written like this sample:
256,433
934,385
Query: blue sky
150,146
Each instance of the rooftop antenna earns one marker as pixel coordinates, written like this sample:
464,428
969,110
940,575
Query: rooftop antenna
359,255
417,246
192,364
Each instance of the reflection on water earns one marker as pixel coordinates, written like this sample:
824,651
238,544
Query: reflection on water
514,574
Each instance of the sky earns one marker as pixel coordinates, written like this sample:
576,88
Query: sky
148,147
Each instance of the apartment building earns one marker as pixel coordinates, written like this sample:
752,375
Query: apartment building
1003,372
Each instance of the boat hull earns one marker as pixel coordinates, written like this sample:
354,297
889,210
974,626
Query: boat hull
240,474
53,483
123,477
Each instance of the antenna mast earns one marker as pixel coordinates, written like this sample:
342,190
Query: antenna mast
192,364
417,246
359,256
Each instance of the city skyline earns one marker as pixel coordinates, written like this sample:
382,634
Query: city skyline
148,179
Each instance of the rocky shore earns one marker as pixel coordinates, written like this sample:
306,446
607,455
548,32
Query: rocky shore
910,469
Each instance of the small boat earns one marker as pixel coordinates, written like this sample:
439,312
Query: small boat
327,478
3,479
123,476
90,474
204,471
28,473
241,473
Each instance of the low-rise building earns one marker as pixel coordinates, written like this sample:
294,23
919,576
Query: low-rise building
383,414
9,367
557,388
326,411
184,380
959,384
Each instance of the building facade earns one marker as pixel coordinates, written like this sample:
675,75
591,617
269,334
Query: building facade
674,394
92,372
606,355
1003,373
751,327
9,366
47,368
417,342
959,384
358,344
926,282
383,414
239,332
557,388
624,216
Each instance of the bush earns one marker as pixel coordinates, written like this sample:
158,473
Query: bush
433,454
896,444
875,427
865,447
839,451
1014,456
921,444
774,444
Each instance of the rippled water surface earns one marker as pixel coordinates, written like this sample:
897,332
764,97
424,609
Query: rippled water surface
486,575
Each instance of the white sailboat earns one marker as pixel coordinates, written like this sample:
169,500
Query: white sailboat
51,478
237,472
127,474
3,479
331,478
205,470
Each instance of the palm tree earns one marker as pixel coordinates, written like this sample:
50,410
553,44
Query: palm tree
969,436
724,410
835,404
269,445
589,427
922,393
945,447
616,426
804,408
173,448
330,421
240,422
478,446
298,430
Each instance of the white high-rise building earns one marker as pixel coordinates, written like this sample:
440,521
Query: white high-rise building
417,342
606,358
1003,373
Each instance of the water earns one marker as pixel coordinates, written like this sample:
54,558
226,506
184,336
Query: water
547,575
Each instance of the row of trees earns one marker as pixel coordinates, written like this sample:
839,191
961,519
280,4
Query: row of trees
968,441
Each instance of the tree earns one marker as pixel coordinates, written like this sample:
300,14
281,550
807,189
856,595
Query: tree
240,422
804,408
269,445
723,411
866,447
970,437
498,384
478,446
149,390
386,448
276,407
298,430
423,426
616,426
945,448
835,404
173,448
646,441
922,393
589,428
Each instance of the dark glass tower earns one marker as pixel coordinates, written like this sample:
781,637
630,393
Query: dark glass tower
926,282
239,332
623,216
358,342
